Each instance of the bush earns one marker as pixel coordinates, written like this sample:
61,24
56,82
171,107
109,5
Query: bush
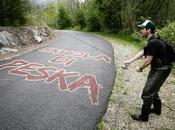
64,20
77,28
168,33
13,12
35,18
92,23
79,19
136,37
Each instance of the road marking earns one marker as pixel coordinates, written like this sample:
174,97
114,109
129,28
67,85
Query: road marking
36,72
76,54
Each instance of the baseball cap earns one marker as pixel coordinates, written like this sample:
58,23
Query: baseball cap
147,24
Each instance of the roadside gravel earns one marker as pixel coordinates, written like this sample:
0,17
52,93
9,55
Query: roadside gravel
125,99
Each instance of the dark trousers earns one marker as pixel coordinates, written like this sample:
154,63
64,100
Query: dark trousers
150,92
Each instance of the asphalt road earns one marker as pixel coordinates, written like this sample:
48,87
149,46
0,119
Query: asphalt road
64,86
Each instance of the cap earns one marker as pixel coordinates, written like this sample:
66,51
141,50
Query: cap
147,24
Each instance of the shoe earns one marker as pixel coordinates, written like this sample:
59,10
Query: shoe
157,112
139,118
157,107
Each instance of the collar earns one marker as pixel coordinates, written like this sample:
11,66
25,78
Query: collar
154,36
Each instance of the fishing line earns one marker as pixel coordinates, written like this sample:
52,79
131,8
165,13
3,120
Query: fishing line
123,67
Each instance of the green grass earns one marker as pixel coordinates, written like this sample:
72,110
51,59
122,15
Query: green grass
173,71
125,39
101,126
164,129
113,98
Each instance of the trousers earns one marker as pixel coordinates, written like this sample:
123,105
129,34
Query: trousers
150,91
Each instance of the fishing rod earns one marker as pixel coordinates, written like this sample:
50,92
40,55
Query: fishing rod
124,66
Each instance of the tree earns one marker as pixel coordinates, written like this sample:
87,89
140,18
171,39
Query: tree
79,19
159,11
91,16
63,19
12,12
110,14
50,14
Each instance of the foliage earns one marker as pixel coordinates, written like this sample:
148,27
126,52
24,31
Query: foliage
79,19
112,16
91,17
63,18
168,33
50,14
35,18
75,10
43,16
109,14
92,23
101,126
136,36
158,10
122,39
12,12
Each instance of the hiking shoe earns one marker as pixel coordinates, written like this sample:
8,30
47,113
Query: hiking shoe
139,118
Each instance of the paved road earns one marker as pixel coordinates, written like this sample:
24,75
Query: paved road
64,86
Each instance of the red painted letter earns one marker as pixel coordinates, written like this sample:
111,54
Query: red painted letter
103,58
15,63
23,71
63,60
90,82
61,74
44,74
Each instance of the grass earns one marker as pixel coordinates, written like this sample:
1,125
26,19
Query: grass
113,98
173,70
101,126
125,39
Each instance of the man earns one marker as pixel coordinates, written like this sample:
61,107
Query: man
155,55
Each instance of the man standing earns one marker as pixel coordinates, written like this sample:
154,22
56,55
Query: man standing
155,55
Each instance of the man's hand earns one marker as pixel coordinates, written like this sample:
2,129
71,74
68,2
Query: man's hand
139,69
147,62
127,63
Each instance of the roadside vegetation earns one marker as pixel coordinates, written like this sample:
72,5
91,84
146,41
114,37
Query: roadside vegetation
113,17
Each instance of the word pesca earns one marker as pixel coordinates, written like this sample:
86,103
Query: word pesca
35,72
63,58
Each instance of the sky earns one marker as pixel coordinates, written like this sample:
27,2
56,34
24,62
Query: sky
43,1
39,2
